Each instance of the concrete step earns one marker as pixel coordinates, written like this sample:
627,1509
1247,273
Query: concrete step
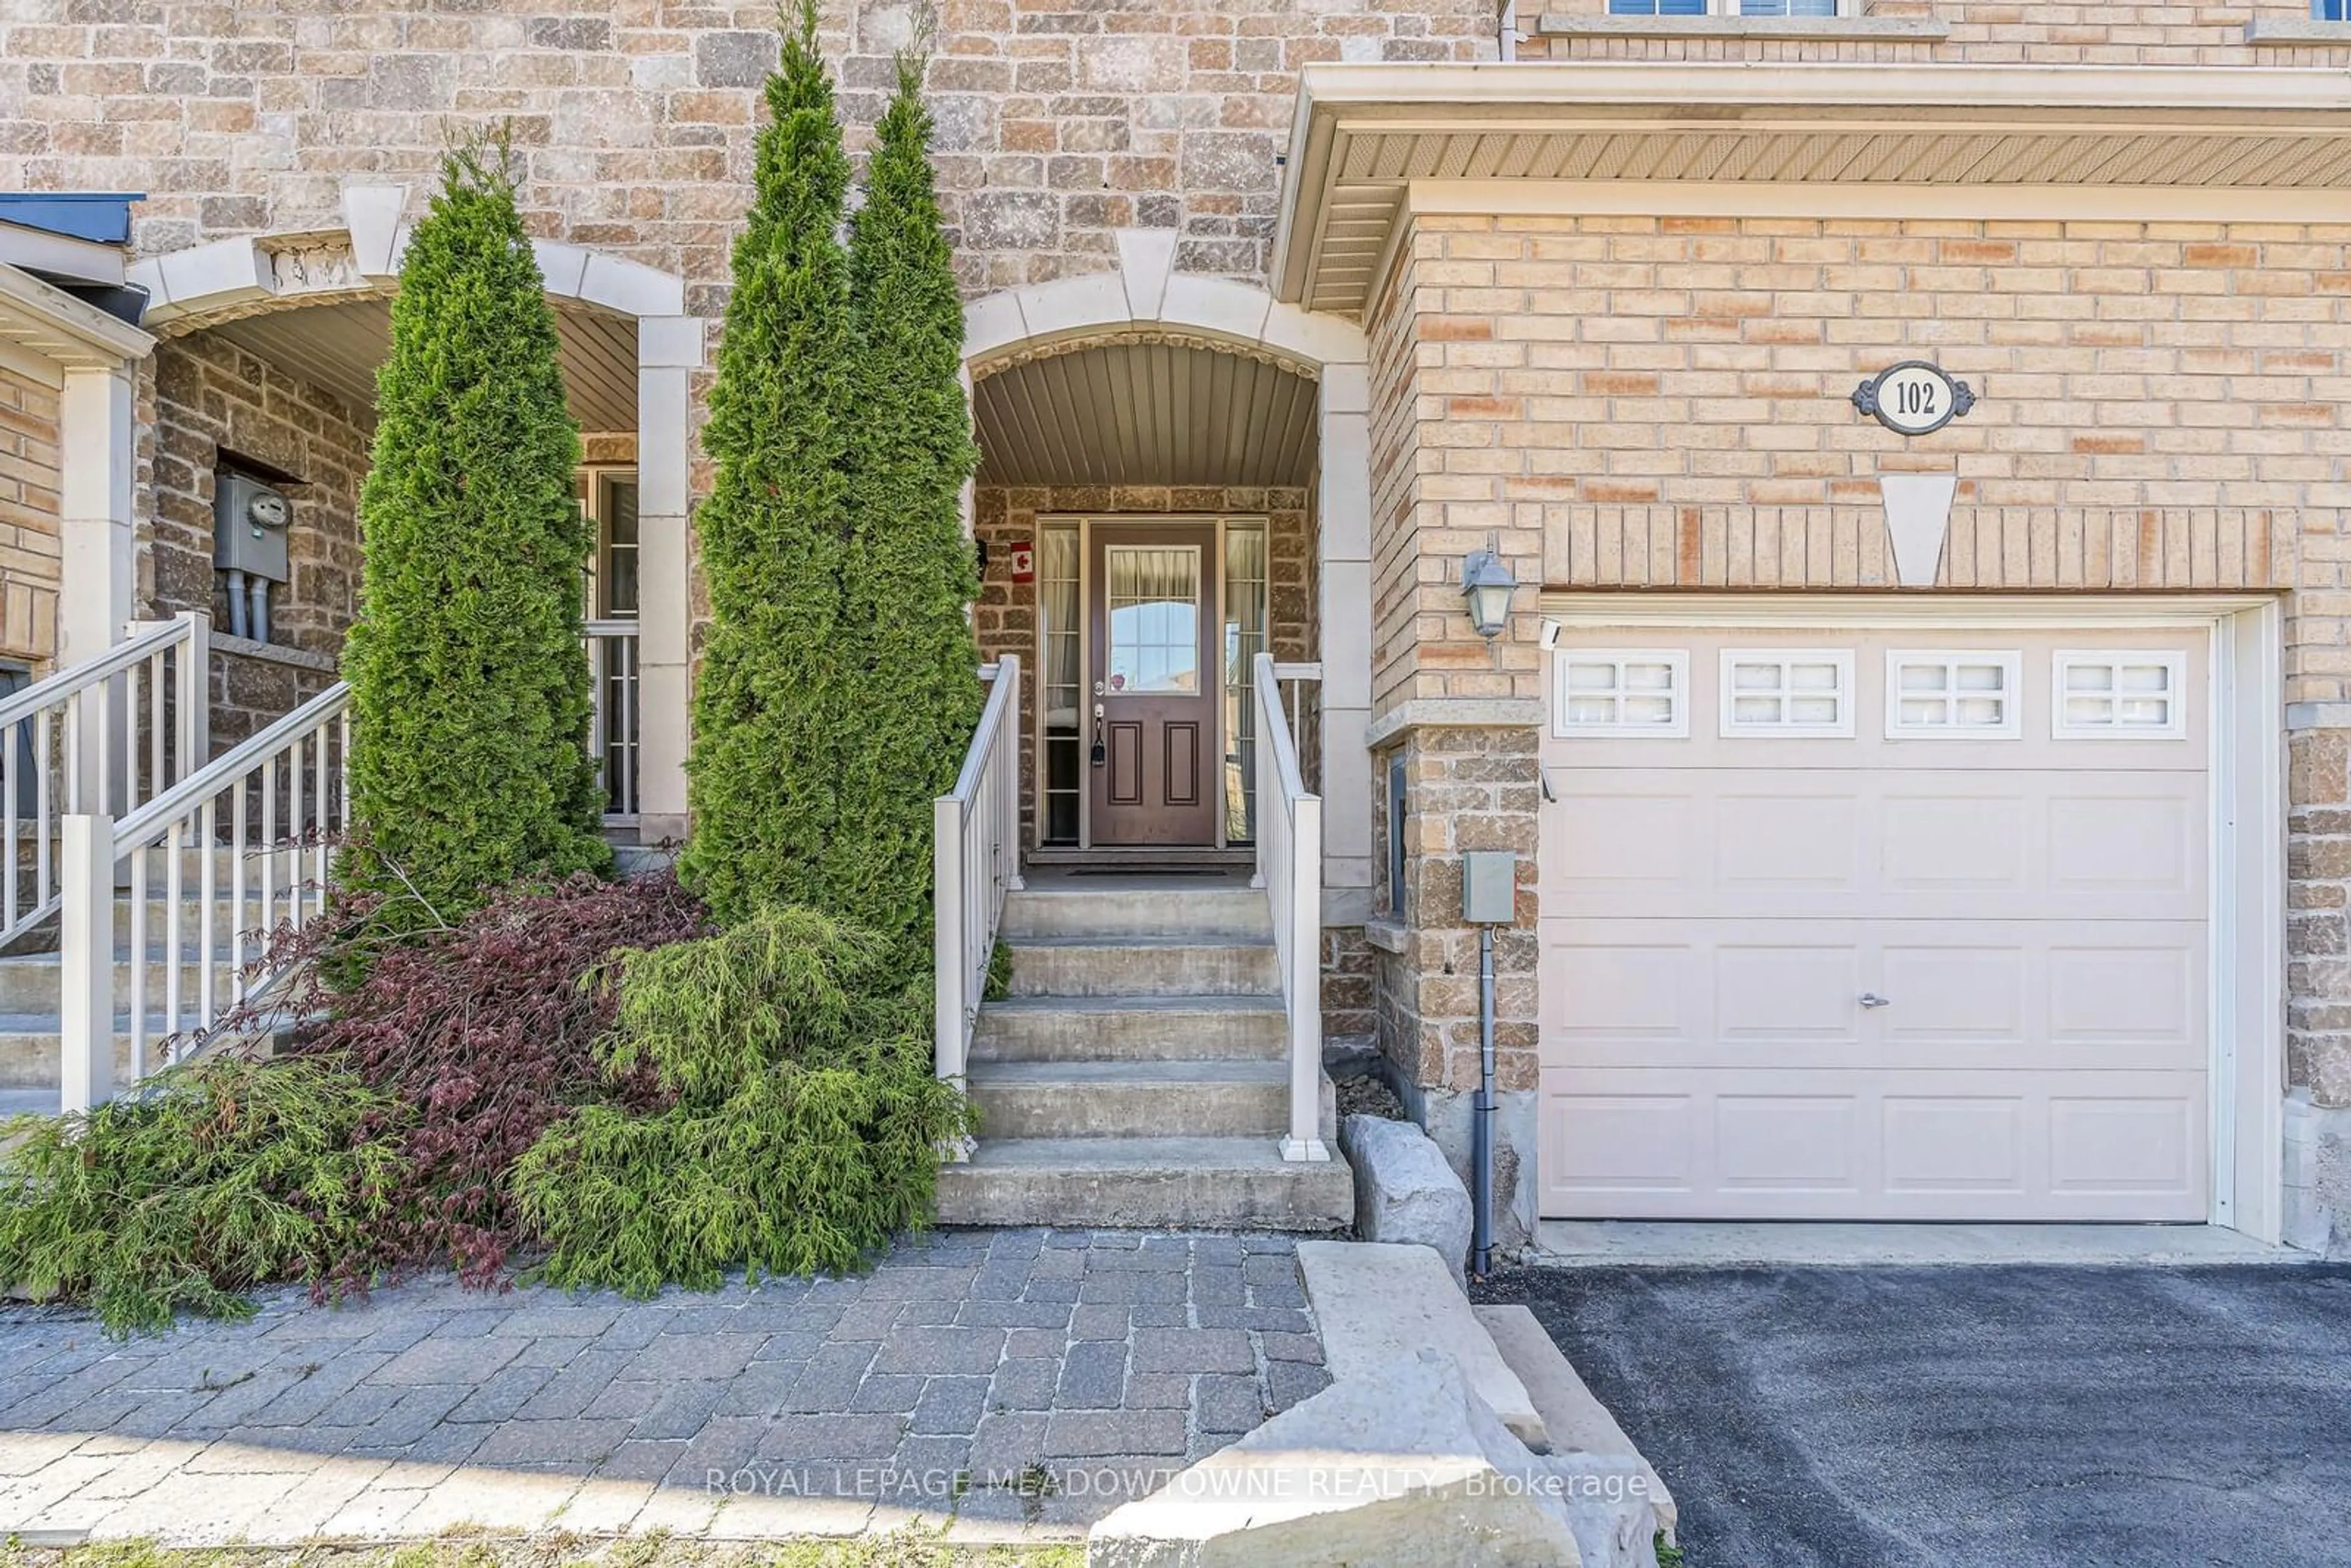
1143,966
1208,1099
227,918
28,1051
31,982
1222,1184
1130,1029
1138,906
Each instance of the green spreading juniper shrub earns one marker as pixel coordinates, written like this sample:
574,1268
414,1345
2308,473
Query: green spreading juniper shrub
213,1177
805,1124
469,682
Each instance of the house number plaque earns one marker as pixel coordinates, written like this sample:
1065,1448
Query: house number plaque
1914,397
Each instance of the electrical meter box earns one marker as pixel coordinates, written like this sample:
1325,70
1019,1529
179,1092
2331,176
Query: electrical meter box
249,522
1489,893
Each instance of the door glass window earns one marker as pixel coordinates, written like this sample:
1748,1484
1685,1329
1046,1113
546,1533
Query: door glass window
1154,619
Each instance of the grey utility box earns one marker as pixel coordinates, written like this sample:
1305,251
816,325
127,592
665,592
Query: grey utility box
249,523
1489,894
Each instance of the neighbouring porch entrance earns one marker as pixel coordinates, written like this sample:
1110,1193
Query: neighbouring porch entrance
1146,629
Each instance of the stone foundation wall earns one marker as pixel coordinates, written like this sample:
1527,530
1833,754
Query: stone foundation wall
1465,789
30,556
201,397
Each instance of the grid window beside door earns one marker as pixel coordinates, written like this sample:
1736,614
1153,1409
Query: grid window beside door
1061,683
1245,639
1757,9
610,498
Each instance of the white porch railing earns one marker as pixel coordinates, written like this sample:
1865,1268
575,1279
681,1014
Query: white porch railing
74,743
612,724
1290,869
975,861
253,830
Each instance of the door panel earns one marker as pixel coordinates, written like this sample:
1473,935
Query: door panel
1152,601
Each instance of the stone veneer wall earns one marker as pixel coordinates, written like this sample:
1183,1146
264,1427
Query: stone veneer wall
1659,402
201,396
30,555
634,122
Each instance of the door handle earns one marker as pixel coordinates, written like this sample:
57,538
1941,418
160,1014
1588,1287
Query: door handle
1872,1000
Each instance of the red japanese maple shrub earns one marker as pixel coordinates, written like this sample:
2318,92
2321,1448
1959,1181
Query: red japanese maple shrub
481,1035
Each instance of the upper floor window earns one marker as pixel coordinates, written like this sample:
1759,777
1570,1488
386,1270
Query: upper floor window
2327,10
1761,8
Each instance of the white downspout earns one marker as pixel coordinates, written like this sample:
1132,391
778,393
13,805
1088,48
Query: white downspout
1507,40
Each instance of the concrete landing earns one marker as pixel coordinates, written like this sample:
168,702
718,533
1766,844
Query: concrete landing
1661,1244
1379,1303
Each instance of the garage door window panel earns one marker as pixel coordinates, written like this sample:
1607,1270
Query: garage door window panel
1622,693
2113,695
1799,694
1947,695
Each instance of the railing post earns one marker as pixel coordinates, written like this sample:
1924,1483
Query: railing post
1261,766
947,909
1305,983
85,997
194,695
1008,847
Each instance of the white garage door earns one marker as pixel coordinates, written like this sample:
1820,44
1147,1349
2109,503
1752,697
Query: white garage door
1871,924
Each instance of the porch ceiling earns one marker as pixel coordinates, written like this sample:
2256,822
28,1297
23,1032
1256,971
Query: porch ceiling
337,347
1146,408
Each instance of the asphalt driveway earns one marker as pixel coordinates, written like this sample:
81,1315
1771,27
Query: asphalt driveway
2009,1418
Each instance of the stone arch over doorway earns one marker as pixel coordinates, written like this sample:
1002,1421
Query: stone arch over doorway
232,279
1145,293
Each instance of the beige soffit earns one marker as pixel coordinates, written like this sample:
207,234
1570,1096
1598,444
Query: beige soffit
1362,134
337,347
53,324
1143,407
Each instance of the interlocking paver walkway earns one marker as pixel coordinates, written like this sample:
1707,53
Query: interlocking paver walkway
1015,1383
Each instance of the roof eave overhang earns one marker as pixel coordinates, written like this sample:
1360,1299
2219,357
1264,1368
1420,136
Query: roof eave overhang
1362,134
48,321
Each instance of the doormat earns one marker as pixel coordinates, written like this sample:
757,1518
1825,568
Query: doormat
1148,868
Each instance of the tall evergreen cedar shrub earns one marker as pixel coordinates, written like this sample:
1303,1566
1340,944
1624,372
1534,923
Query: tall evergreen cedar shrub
912,574
839,689
764,777
469,683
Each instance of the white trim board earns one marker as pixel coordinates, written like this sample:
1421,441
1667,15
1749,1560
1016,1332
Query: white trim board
2030,204
2248,838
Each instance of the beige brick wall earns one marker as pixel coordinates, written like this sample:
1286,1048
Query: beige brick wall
1659,402
1057,126
1982,31
1663,402
29,552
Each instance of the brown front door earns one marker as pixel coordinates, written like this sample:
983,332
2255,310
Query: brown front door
1153,747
